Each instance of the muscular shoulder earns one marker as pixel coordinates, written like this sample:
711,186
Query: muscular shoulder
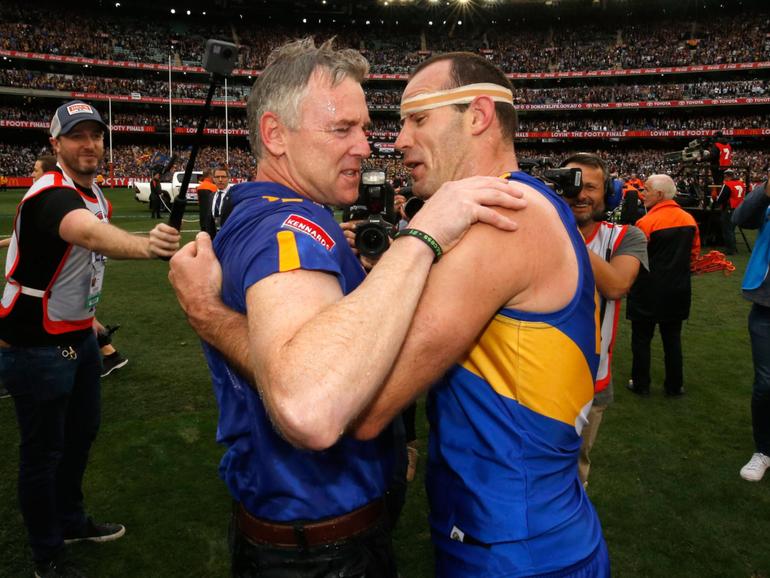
533,268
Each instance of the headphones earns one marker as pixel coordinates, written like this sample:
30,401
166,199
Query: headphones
611,198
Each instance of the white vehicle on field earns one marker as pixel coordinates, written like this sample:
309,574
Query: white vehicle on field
142,189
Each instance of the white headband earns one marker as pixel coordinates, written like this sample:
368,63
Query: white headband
460,95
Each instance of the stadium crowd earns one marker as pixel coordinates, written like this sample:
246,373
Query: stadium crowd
390,97
395,48
671,120
134,161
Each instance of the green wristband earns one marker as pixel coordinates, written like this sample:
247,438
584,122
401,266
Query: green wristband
425,238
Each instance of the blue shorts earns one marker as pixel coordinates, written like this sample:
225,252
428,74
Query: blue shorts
458,560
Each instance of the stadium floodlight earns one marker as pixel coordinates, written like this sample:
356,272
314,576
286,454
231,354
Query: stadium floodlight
117,4
173,10
188,12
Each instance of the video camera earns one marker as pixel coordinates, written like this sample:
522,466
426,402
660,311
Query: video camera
695,152
565,182
374,206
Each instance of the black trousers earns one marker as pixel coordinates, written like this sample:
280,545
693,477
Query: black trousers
367,555
642,332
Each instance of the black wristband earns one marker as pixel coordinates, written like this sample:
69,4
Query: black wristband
425,238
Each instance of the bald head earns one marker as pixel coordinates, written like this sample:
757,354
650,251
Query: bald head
658,188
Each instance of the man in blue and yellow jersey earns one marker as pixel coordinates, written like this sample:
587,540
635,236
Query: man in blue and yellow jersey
299,318
506,328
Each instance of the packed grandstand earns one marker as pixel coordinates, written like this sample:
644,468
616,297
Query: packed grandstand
629,87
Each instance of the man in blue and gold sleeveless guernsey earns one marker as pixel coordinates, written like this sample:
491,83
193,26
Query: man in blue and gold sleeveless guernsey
506,331
299,318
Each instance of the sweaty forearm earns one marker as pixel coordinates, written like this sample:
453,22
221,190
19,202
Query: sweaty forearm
336,362
227,331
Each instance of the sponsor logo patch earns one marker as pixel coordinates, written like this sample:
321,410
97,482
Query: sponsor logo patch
310,228
78,108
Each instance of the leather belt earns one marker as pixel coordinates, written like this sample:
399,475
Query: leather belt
305,535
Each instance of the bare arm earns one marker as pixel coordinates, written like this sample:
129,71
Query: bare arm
488,270
318,358
614,278
195,271
81,227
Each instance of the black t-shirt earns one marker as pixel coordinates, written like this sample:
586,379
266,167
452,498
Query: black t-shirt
41,250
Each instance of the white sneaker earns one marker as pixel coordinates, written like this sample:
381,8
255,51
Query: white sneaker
755,469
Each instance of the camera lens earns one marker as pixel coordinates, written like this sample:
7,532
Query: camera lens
371,240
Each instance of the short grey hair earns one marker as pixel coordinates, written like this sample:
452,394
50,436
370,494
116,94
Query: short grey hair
283,83
663,183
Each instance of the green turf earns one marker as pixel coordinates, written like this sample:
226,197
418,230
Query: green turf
664,480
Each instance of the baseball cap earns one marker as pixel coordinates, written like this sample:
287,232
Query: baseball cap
72,113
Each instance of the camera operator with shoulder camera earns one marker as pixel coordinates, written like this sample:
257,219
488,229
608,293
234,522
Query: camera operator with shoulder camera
616,252
730,196
720,157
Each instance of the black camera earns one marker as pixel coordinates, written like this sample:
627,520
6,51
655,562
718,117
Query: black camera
375,207
565,182
220,57
696,151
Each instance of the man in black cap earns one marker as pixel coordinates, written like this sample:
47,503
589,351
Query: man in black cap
49,357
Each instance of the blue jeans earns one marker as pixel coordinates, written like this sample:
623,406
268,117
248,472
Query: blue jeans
56,391
759,330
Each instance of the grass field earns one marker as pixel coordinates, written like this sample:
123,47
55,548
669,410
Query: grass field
664,481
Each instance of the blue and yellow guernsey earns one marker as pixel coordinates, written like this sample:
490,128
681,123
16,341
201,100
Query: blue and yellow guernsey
272,229
505,436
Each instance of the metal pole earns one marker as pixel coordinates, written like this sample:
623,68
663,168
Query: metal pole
170,122
227,131
112,173
180,202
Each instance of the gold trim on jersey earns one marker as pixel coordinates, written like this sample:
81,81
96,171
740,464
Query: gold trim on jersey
535,364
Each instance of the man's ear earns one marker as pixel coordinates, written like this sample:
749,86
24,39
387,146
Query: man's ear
273,134
54,145
482,110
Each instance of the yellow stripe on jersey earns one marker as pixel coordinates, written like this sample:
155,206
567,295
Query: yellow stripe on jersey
272,199
288,254
535,364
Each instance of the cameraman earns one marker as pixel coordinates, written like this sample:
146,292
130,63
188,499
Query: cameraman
720,157
730,196
616,252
